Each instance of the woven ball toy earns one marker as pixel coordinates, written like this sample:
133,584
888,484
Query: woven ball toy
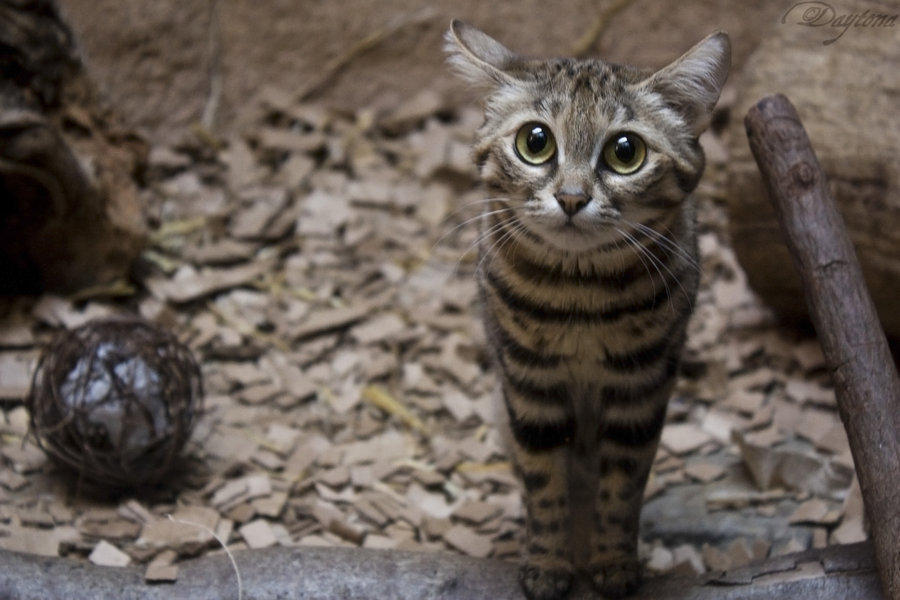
116,400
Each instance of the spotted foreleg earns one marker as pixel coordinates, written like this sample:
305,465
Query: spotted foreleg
626,448
539,451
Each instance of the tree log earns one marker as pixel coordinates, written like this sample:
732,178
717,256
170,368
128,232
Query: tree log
855,348
835,573
848,107
69,211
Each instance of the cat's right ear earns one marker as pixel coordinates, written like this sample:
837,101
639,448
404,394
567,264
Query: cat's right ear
476,56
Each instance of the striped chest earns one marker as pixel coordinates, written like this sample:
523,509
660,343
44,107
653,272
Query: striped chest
615,313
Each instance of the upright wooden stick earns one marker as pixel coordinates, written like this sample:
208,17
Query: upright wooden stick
865,378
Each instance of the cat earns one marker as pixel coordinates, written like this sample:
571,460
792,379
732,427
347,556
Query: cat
588,273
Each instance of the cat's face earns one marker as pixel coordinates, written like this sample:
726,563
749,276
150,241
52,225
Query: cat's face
577,150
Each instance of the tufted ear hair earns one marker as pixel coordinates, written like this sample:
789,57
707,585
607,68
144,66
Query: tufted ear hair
693,82
477,57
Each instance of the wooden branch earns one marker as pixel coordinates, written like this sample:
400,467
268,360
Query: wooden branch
835,573
865,377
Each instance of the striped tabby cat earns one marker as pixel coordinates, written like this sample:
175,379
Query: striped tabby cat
588,274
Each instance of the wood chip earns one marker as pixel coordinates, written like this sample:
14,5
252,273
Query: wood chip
15,374
793,468
746,402
189,284
432,504
189,529
458,404
715,559
242,490
809,354
687,561
18,421
270,506
739,553
850,531
720,424
304,455
476,512
812,511
326,321
160,573
135,511
466,540
817,425
352,534
107,555
683,438
337,477
434,528
807,392
259,394
11,480
661,559
251,222
378,329
429,478
43,542
241,513
258,534
704,472
25,458
368,510
791,546
379,542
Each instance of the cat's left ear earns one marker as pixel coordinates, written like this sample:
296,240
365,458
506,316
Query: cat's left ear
476,56
692,83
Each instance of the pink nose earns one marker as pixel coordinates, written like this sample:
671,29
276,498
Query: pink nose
572,203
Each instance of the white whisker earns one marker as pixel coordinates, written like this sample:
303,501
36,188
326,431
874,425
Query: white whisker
642,254
485,202
482,236
512,235
667,244
643,251
468,222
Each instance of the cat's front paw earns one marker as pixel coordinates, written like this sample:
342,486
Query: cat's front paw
545,583
618,578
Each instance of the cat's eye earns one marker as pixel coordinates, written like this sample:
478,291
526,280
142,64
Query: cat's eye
535,143
624,153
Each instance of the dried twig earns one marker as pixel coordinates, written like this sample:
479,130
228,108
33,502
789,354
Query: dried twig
338,63
214,96
586,42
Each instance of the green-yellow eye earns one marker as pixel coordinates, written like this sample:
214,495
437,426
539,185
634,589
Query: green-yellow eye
625,153
535,144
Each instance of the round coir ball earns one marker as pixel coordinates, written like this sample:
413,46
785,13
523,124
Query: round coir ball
116,400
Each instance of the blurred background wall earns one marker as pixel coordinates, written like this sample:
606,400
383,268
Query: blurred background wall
157,60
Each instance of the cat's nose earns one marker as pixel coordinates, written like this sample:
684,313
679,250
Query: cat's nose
572,202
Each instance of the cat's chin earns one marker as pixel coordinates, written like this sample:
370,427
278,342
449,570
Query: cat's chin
571,236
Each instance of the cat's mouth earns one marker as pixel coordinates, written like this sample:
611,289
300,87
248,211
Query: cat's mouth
577,232
593,224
